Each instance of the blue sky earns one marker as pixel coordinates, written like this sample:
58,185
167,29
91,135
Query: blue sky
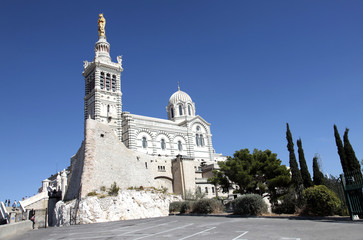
249,66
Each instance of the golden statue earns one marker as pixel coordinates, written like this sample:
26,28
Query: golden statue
101,25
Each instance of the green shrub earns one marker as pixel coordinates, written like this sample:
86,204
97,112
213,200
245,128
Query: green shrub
186,207
287,203
320,201
113,191
175,207
103,188
207,206
249,204
90,194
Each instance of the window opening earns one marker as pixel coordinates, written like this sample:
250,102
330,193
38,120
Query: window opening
108,81
180,110
206,189
189,112
144,142
162,144
197,139
102,80
172,112
161,168
212,189
201,139
113,83
108,108
180,146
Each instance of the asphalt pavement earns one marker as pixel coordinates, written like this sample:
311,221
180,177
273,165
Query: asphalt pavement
207,227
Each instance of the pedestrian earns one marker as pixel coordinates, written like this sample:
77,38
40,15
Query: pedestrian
14,204
32,216
18,204
6,202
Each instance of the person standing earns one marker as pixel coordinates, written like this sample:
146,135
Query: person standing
32,216
6,202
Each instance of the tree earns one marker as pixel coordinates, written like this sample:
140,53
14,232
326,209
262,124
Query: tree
303,167
352,162
296,178
341,150
219,179
260,172
318,177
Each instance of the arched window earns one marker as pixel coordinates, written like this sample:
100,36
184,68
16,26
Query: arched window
201,139
108,108
180,110
108,81
162,144
197,139
172,112
180,146
144,142
113,83
198,128
102,80
189,112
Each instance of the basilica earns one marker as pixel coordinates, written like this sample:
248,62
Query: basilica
134,150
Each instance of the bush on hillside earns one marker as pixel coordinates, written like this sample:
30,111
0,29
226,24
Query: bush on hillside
206,206
113,191
249,204
286,204
320,201
181,207
175,207
186,207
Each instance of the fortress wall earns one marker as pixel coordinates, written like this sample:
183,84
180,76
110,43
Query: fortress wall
107,160
74,179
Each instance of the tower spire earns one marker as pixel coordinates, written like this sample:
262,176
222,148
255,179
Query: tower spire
178,86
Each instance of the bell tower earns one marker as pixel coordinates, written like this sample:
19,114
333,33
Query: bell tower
103,97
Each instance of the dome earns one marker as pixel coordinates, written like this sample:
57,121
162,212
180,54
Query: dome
179,96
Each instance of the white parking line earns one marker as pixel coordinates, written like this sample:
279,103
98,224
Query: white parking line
244,233
104,236
163,231
291,238
78,228
196,233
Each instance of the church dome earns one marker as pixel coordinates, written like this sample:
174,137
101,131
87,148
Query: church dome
179,96
180,106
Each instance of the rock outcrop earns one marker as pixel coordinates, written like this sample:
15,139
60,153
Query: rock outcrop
128,204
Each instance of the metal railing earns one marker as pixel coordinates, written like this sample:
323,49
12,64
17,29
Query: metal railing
352,183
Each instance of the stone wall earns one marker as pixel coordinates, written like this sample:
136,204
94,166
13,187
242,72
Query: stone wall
74,177
103,160
11,230
129,204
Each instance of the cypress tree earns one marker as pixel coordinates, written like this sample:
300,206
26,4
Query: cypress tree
303,167
352,162
318,175
296,178
341,150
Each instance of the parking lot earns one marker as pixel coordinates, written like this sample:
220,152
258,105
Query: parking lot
206,227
